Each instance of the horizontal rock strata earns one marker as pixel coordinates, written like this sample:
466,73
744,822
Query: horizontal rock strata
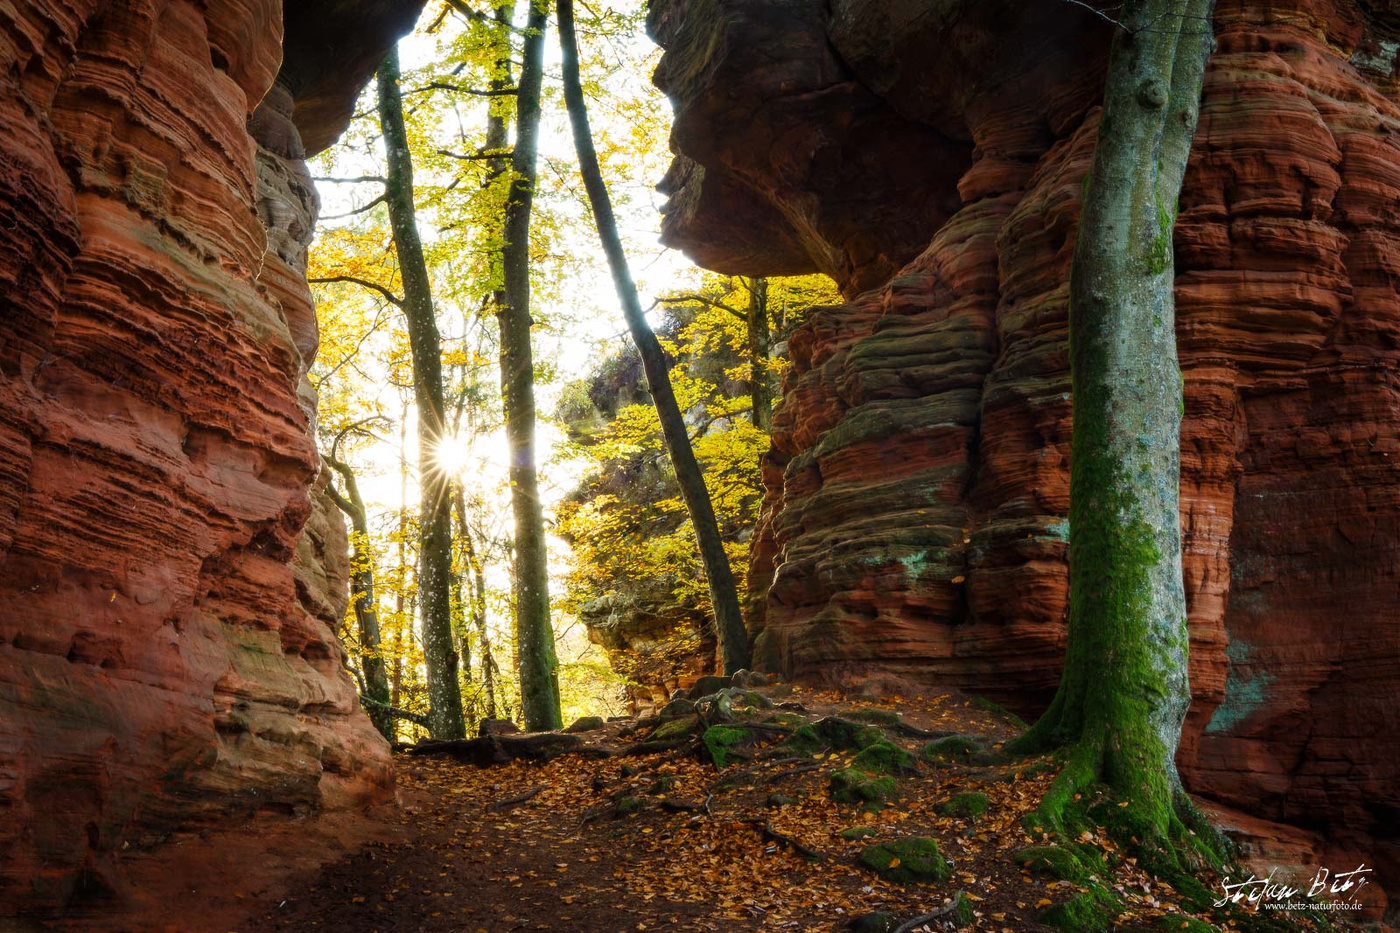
170,576
917,490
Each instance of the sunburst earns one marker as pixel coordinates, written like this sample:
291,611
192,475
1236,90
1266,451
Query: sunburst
453,456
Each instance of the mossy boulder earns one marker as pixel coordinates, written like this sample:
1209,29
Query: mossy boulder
880,717
1053,861
911,860
626,806
678,707
834,734
883,757
965,806
677,728
858,832
721,741
850,785
952,748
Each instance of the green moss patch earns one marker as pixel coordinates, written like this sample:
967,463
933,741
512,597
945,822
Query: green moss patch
880,717
1054,861
965,806
962,915
911,860
833,734
856,833
1089,912
720,742
852,786
883,757
951,748
676,728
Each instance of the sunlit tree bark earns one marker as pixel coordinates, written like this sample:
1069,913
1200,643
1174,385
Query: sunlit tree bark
538,665
435,544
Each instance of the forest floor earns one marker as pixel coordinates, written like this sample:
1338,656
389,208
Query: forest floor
665,841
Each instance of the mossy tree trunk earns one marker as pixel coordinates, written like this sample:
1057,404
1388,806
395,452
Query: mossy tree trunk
445,717
1123,694
363,600
538,665
724,596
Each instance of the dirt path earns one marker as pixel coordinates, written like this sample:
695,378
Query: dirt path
565,859
663,841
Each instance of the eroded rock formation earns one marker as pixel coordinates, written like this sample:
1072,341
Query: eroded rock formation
170,576
930,157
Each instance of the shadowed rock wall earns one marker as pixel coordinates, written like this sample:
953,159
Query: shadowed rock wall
170,574
930,157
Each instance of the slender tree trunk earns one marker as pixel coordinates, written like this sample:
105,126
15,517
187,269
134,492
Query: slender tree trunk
435,518
539,668
760,340
396,681
1123,694
362,596
488,659
729,620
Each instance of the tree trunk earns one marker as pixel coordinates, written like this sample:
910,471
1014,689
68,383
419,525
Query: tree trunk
376,678
539,668
435,518
1123,694
729,620
760,392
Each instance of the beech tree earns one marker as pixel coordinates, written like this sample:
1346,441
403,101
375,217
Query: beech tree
724,596
539,667
1123,694
445,715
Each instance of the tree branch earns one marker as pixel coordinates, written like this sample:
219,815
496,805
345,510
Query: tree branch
459,89
358,210
415,718
701,299
476,16
483,155
354,180
363,283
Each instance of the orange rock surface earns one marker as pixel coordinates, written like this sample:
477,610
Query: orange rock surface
930,157
170,575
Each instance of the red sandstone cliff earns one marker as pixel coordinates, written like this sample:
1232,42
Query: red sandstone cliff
169,574
930,156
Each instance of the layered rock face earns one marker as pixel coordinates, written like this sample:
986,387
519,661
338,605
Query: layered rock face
930,156
170,575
